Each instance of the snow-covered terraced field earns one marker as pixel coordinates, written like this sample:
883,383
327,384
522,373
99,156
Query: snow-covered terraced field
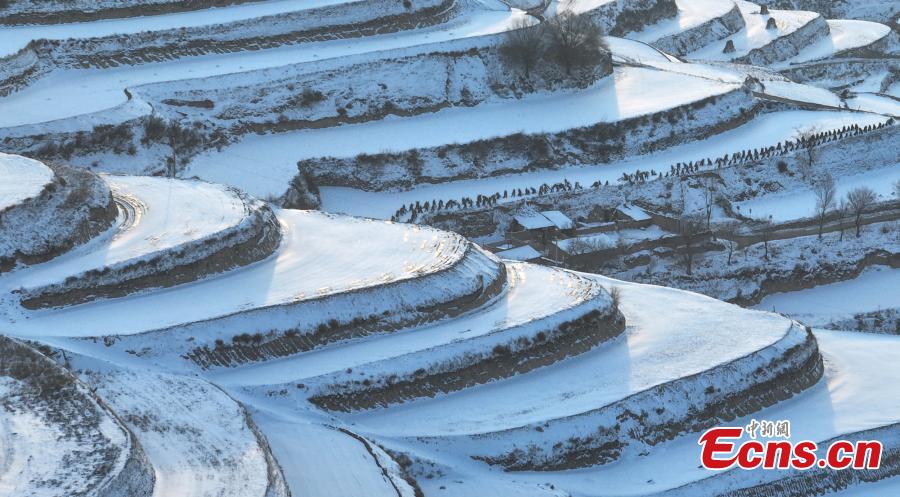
764,131
208,344
74,92
669,335
854,371
842,35
532,294
156,215
20,179
164,225
612,99
56,438
755,35
317,258
14,38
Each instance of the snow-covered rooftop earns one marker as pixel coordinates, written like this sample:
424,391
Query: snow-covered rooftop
523,253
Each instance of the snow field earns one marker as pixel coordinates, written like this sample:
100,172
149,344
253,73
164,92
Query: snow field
800,203
755,34
21,178
766,130
669,335
157,215
858,372
319,258
533,294
631,92
691,14
74,92
14,38
841,300
195,436
843,35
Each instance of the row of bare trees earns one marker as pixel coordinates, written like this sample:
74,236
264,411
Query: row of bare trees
855,203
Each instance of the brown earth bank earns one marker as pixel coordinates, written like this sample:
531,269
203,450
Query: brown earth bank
544,348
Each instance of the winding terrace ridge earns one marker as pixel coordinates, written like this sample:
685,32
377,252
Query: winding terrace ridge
606,401
544,316
218,229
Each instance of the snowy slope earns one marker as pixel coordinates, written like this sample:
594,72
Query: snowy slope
631,92
843,35
834,301
157,215
318,257
859,371
20,179
13,38
755,34
74,92
764,131
669,335
533,293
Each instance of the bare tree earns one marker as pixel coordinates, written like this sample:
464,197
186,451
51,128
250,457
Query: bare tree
841,210
710,193
690,236
859,200
573,40
728,233
826,194
897,188
523,45
766,229
810,153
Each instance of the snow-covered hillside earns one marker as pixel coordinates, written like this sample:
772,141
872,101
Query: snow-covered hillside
258,248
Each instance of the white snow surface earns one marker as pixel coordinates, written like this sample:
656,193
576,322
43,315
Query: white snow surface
21,178
859,371
319,255
870,291
13,38
263,165
880,104
845,34
320,461
691,13
669,334
754,34
159,214
800,203
533,292
194,434
764,131
74,92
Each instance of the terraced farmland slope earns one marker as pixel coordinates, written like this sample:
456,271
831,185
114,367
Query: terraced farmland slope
255,248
